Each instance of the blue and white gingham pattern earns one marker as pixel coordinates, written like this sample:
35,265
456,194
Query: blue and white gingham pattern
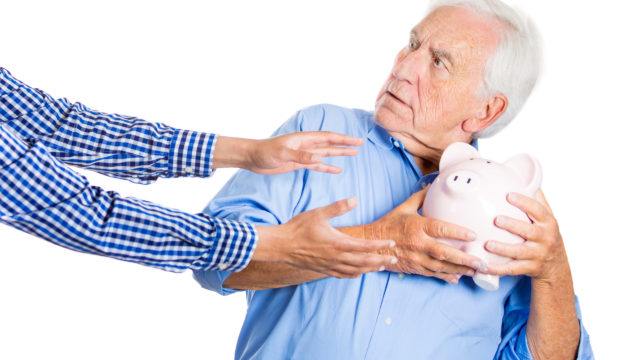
43,197
115,145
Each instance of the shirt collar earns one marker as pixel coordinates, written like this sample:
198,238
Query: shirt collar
381,137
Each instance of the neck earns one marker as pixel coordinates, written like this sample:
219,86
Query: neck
427,157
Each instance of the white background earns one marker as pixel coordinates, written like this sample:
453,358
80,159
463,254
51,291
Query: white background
243,67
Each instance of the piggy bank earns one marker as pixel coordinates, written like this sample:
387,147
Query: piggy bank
471,191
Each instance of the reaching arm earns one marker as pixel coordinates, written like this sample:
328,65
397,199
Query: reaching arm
43,197
417,251
134,149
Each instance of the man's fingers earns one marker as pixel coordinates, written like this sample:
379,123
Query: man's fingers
338,208
414,202
543,200
525,230
452,255
513,251
443,230
512,268
439,266
534,209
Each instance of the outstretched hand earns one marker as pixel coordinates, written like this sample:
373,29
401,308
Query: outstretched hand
294,151
308,241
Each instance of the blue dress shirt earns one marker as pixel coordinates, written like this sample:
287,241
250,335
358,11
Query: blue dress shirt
380,315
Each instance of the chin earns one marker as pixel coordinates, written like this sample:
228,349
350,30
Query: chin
387,119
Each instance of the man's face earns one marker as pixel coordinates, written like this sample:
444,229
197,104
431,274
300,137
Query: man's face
434,85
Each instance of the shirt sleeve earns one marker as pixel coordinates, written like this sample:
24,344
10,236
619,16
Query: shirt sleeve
43,197
255,198
115,145
513,345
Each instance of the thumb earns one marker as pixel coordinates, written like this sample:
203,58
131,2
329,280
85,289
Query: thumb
337,208
414,202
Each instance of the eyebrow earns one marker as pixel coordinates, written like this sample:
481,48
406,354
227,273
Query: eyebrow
441,53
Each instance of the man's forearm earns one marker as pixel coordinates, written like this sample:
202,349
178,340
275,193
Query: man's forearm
260,275
553,331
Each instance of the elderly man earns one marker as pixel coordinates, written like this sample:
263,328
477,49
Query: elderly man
465,73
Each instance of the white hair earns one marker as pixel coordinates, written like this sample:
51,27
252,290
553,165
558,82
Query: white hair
514,68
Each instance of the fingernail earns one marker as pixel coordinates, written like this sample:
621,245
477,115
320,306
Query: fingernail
471,235
458,277
480,265
512,197
470,273
490,245
394,260
500,220
381,268
351,201
392,244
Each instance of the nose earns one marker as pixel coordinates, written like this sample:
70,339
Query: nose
409,67
462,181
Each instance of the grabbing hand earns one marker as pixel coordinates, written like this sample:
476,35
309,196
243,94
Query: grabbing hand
417,248
308,241
542,255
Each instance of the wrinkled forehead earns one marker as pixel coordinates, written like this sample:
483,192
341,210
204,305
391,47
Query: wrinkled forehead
465,33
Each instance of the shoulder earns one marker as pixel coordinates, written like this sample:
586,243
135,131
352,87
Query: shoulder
327,117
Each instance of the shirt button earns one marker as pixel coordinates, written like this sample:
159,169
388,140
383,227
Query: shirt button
222,266
396,143
388,321
188,170
401,276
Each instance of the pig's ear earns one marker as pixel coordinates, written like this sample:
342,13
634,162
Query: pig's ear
457,152
529,169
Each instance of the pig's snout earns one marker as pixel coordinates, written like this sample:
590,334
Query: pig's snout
462,181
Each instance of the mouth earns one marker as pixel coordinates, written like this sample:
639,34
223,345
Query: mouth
394,97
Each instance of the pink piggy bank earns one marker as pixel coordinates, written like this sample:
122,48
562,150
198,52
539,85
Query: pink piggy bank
471,191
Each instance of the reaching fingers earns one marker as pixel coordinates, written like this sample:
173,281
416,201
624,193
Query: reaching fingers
534,209
330,138
443,230
351,244
324,168
300,156
338,208
439,266
522,251
333,151
366,262
450,278
525,230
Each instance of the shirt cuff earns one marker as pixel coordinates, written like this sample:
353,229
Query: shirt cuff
233,245
191,154
584,346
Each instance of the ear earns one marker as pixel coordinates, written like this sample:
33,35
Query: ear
457,152
490,112
529,170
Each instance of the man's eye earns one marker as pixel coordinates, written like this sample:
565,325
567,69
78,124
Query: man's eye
438,62
414,44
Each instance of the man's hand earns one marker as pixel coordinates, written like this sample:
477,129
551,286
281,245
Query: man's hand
542,256
309,242
417,248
